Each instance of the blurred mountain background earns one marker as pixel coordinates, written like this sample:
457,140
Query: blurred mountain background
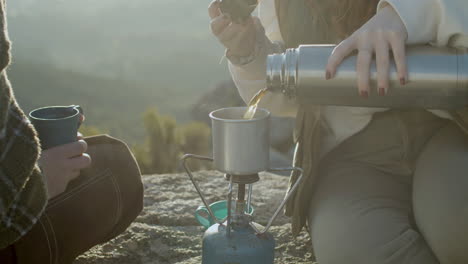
116,58
146,71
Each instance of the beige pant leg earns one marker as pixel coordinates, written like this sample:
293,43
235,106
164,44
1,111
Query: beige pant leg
440,195
361,215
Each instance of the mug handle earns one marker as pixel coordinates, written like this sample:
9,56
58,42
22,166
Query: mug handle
80,109
202,220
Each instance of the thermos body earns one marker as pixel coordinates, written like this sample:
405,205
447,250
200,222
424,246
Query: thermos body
438,79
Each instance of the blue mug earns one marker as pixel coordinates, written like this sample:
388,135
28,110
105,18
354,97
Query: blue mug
56,125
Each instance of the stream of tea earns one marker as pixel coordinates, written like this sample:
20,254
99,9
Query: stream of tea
253,104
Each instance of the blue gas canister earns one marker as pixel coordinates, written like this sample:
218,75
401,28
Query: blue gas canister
242,246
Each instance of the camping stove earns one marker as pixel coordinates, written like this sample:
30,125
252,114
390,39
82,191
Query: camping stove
241,151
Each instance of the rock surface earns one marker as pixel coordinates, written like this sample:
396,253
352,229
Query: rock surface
167,232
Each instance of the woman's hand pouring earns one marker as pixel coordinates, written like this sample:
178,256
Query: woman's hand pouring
383,33
239,39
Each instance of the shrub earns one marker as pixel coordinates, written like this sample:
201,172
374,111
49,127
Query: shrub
166,142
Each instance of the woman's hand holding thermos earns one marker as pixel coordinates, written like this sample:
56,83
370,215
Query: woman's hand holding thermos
383,33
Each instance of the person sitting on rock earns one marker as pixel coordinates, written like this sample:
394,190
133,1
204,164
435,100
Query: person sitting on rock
381,185
56,207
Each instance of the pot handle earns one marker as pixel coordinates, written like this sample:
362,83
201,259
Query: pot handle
283,203
183,161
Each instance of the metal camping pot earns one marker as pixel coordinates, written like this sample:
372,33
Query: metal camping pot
438,79
240,146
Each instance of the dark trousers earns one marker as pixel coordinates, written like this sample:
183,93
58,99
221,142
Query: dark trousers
96,207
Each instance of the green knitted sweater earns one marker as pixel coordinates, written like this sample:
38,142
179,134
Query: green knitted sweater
22,191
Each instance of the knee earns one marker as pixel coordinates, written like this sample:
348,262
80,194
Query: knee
332,242
340,240
365,232
128,177
350,243
114,155
439,195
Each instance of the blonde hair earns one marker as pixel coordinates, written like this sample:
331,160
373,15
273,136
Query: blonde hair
335,20
321,21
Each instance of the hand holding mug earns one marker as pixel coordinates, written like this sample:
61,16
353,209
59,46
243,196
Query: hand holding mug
62,164
63,154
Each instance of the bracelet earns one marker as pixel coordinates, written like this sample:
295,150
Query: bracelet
240,60
259,44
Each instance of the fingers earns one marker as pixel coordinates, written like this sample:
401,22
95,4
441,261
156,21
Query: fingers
399,55
62,164
237,37
383,66
385,31
337,56
213,9
229,33
363,63
73,174
218,24
71,150
76,164
364,60
80,162
244,40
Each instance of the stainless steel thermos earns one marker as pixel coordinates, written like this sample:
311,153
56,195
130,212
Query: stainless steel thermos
438,79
